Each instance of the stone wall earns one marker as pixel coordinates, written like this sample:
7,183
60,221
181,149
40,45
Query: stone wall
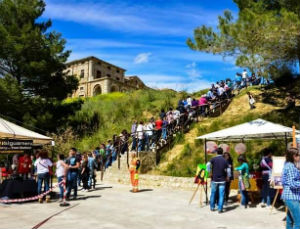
153,181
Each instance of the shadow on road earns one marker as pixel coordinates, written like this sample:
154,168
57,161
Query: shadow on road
144,190
85,197
101,188
232,207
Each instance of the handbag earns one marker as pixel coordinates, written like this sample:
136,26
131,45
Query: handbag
245,181
49,168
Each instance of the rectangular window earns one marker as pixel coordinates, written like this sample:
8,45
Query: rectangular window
108,67
118,71
108,75
118,78
82,73
81,88
98,75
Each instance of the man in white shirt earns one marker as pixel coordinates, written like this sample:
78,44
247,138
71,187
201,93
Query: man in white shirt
244,77
244,74
220,91
189,101
140,135
176,115
148,134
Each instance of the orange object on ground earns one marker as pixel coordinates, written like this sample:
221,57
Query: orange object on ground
134,175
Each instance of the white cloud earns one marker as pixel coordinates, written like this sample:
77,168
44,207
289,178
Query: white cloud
192,86
192,70
132,18
142,58
192,65
175,82
101,43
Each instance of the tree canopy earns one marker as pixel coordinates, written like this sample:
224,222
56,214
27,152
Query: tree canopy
265,33
33,81
30,53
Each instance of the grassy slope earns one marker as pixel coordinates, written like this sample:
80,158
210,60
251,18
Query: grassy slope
182,159
104,115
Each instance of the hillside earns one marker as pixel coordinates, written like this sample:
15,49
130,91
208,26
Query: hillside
182,159
102,116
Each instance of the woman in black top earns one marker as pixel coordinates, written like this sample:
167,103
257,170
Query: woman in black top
85,173
228,158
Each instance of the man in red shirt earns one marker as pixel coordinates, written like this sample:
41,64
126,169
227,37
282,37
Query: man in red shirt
24,165
158,126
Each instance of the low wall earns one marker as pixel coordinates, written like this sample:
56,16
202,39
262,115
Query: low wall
153,181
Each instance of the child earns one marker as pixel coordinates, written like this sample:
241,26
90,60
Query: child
61,171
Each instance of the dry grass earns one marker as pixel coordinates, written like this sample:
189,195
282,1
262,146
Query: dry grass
237,110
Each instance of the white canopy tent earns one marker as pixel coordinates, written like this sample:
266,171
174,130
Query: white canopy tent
256,129
12,131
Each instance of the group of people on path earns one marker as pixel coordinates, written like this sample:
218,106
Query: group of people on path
70,172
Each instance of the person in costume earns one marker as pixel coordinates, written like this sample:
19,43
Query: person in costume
133,169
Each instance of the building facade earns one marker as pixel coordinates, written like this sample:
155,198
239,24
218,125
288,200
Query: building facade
99,77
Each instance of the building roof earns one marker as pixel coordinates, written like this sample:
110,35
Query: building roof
95,58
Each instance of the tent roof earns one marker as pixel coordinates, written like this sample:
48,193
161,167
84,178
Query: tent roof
256,129
11,130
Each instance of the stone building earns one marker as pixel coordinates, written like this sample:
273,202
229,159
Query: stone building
99,77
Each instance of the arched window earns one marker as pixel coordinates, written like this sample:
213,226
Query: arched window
97,90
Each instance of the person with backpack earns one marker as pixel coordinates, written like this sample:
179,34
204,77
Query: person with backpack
266,165
74,163
244,183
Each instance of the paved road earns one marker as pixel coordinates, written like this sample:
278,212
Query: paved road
113,206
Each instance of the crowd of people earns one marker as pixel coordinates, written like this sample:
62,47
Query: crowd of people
243,80
221,169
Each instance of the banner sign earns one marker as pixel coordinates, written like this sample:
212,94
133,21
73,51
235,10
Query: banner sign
15,144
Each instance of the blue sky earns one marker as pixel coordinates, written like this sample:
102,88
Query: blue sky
146,37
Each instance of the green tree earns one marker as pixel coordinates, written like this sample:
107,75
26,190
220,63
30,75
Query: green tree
264,33
30,53
33,81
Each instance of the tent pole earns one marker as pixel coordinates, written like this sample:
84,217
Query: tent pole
52,157
286,141
205,151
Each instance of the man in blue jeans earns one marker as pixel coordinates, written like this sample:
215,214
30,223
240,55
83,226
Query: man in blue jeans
72,176
220,171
